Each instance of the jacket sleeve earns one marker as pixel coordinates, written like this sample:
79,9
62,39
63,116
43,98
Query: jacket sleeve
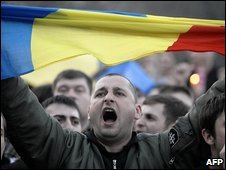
188,149
35,136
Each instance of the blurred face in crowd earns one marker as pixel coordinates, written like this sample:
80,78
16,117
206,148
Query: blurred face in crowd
165,62
216,142
220,132
181,73
2,137
152,119
113,109
78,90
67,116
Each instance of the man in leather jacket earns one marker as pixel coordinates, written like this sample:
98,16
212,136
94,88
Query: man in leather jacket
111,144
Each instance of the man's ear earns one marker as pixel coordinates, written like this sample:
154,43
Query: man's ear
138,111
208,137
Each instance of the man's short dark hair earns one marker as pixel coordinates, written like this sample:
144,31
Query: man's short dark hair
60,99
173,107
73,74
134,91
210,112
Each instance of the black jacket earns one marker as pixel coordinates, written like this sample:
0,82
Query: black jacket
42,143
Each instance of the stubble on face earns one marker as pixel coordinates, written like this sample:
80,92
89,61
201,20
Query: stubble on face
115,93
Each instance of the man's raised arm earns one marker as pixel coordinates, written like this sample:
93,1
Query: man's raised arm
28,125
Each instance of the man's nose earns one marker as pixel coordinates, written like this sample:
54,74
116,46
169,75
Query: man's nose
68,125
109,97
140,123
72,94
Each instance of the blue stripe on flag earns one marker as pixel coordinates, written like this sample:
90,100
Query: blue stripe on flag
126,13
21,11
16,43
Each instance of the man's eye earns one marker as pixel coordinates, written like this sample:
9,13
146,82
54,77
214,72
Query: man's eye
75,122
63,89
149,117
79,90
120,94
99,94
59,119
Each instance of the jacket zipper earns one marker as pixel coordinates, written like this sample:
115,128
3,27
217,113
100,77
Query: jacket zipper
114,164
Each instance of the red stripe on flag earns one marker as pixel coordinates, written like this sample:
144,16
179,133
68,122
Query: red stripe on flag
201,39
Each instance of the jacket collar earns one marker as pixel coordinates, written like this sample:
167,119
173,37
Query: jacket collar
91,137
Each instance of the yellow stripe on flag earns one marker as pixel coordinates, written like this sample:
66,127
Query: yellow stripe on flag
110,38
87,64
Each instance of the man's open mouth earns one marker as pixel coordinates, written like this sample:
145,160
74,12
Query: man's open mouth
109,115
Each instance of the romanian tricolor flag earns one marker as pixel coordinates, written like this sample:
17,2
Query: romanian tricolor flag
33,37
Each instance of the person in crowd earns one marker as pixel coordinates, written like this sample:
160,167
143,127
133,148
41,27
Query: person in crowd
43,92
182,93
182,70
159,113
171,68
3,139
5,161
222,155
159,66
111,143
65,111
78,86
212,124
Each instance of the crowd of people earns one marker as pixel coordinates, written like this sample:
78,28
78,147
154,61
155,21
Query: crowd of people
107,121
74,124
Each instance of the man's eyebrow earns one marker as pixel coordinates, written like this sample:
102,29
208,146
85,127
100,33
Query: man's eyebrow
74,117
79,86
101,89
118,88
63,85
61,115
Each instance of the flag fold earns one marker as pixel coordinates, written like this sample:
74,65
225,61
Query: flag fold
34,37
